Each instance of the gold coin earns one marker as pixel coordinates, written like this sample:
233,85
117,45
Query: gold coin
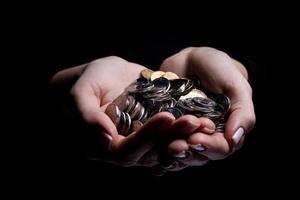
156,74
193,93
146,73
170,76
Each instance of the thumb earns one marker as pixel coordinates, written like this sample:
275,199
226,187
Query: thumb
241,119
87,105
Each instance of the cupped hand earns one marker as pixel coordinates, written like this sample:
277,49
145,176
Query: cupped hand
101,82
219,74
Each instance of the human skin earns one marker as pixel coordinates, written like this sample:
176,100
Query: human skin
103,80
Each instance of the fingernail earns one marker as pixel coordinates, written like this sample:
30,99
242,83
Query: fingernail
198,147
241,142
238,135
195,123
181,155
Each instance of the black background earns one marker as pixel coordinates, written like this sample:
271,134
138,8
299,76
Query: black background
46,48
62,49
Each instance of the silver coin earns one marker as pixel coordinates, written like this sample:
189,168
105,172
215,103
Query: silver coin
178,86
130,104
204,102
121,125
141,113
188,87
162,83
179,96
127,126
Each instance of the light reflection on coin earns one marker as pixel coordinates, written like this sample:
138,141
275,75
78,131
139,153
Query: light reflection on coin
193,93
146,73
156,74
170,76
113,112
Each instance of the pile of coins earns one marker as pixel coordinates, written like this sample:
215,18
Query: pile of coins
161,91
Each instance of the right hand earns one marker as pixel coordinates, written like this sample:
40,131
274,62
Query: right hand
101,82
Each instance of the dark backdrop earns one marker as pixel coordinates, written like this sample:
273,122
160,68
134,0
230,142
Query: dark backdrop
53,49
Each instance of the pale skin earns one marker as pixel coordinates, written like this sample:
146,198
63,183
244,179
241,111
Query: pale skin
103,80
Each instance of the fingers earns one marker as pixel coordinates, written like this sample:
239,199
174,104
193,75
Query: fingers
241,119
207,126
187,124
181,128
180,155
132,148
87,103
185,127
199,148
180,149
214,147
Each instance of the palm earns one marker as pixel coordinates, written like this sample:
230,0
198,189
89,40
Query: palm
220,74
105,79
100,84
109,79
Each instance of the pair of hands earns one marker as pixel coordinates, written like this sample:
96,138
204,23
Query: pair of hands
164,143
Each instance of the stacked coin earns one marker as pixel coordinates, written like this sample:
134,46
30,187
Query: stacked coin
161,91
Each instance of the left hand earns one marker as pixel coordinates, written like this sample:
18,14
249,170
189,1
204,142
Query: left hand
220,74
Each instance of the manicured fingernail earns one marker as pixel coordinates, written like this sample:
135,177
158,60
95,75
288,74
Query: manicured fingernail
198,147
238,136
241,142
181,155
